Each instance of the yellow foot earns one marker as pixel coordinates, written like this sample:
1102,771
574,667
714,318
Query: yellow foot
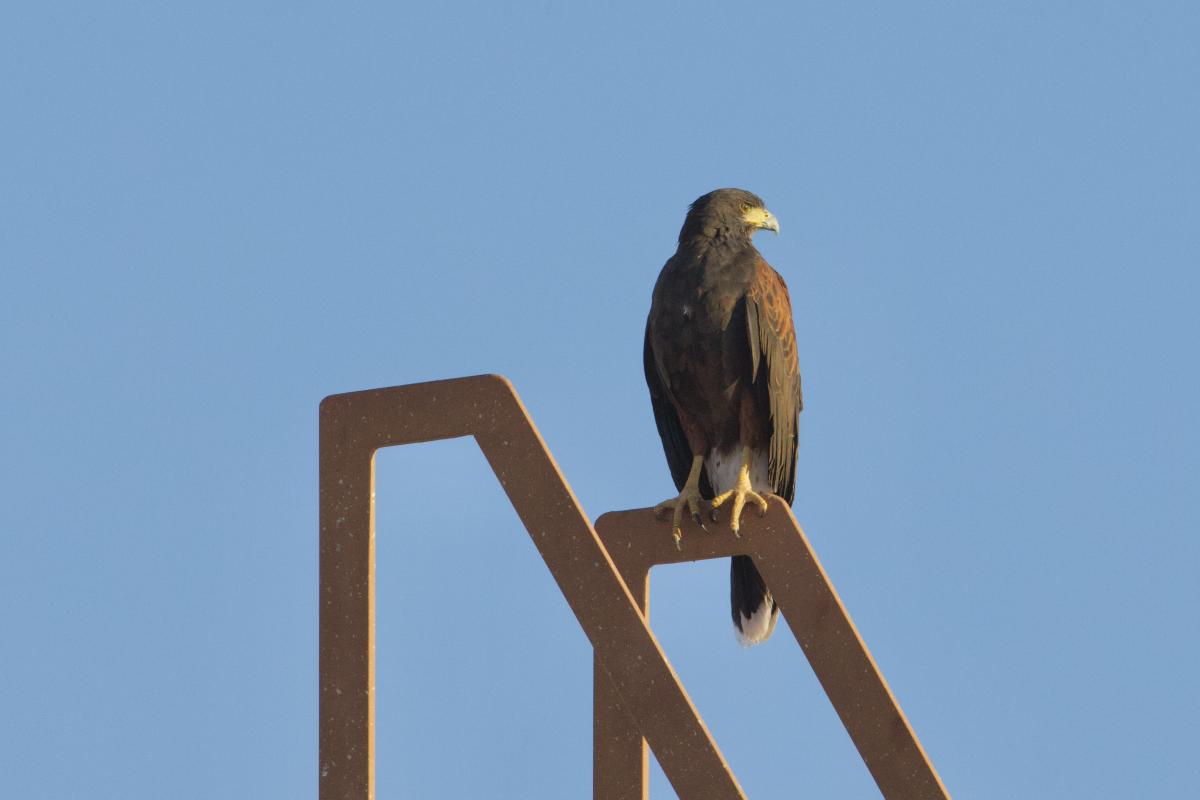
689,498
741,492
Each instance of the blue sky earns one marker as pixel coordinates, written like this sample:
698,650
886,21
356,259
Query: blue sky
213,216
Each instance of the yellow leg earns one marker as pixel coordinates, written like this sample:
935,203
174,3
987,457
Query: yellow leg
689,497
740,493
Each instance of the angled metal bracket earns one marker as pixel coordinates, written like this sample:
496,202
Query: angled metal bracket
353,427
817,618
639,696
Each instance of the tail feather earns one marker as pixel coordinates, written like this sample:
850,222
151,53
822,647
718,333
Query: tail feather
753,609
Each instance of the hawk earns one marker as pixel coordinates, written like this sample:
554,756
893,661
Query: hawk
724,380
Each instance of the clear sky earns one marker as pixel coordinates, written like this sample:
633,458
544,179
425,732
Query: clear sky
212,216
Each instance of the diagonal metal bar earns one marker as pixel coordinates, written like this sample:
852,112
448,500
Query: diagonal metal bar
818,619
352,427
620,762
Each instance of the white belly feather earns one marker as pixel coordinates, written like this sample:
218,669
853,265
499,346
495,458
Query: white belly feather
723,468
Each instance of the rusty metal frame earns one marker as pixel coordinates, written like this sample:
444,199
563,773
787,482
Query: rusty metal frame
639,698
814,612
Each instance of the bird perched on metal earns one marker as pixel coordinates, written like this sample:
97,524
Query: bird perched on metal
724,380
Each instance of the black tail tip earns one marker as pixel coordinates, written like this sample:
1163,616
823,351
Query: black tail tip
753,609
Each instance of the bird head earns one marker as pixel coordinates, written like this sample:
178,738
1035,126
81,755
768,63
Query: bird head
727,213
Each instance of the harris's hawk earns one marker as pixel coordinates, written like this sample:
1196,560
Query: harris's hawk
720,361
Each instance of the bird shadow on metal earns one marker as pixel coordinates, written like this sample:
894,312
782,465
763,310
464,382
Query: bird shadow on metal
603,572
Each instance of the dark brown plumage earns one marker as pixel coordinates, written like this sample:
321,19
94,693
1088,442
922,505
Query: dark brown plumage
721,365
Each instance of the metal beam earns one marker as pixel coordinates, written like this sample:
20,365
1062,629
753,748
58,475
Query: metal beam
352,427
818,619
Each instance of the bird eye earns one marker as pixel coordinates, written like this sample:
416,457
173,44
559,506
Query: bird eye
745,207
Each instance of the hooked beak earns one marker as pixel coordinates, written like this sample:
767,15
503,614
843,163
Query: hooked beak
762,219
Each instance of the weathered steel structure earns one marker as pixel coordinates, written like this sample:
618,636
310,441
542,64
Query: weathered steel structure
603,572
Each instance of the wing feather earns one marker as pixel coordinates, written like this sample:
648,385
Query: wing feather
775,371
674,441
